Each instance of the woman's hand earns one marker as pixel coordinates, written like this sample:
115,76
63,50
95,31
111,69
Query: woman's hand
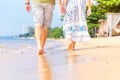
88,12
62,9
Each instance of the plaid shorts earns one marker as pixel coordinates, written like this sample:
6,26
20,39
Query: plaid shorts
42,14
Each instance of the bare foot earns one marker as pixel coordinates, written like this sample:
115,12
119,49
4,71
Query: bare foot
40,52
74,45
71,47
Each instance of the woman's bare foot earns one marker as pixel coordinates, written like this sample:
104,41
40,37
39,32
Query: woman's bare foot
71,46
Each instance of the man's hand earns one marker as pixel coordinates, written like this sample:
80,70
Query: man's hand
27,7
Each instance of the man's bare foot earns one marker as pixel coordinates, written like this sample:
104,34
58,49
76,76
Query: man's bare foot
40,52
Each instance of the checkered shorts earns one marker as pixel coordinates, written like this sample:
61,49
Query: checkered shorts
42,14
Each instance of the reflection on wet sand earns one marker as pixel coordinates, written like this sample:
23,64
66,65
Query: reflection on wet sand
71,58
71,66
44,69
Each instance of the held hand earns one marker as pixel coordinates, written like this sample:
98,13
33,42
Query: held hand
62,9
27,7
88,12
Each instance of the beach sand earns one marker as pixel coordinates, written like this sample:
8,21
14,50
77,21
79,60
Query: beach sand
98,59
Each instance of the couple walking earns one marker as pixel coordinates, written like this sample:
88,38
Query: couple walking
74,22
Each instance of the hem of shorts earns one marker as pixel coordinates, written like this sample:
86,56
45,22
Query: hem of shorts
38,24
44,2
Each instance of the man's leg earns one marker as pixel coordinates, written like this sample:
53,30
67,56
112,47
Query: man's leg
41,35
44,36
41,32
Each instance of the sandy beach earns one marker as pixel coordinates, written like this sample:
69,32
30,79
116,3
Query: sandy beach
97,59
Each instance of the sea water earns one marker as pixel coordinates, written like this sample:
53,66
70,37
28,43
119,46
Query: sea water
16,45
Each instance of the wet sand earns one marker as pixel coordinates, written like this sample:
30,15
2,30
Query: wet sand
98,59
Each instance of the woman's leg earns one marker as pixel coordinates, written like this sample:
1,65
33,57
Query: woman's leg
71,45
